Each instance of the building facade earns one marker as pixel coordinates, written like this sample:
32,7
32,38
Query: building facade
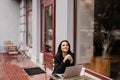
47,23
42,24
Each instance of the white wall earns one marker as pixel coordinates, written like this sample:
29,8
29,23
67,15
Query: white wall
34,52
64,21
35,31
22,25
9,20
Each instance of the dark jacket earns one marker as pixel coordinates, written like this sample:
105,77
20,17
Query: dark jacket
60,66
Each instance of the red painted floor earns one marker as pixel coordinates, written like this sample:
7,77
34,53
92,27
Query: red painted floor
12,68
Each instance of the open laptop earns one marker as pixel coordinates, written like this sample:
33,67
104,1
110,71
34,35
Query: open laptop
70,72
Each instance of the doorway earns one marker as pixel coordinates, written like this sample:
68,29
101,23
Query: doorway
48,31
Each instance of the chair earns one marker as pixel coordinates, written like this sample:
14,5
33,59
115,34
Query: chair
6,44
23,53
14,50
19,46
13,53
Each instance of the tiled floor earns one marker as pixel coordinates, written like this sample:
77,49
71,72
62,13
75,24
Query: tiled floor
11,69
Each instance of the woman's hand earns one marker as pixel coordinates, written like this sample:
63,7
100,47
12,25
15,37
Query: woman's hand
68,57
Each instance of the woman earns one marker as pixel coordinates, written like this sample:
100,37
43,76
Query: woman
63,58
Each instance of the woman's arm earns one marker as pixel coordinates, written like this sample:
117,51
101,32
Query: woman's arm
73,58
59,66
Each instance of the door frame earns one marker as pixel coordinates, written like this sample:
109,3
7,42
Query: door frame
49,57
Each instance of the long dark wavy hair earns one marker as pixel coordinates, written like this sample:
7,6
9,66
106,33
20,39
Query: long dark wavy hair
59,48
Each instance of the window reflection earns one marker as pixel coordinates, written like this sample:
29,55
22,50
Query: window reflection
30,28
48,31
29,23
42,30
84,46
29,5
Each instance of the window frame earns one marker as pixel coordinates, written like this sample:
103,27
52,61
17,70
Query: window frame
28,11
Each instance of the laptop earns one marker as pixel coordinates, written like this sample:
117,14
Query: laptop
70,72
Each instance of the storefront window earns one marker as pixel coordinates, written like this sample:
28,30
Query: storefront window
84,44
42,30
48,30
29,22
29,5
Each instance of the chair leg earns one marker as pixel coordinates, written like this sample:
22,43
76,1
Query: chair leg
22,56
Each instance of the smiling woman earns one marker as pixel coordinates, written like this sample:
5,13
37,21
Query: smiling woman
63,58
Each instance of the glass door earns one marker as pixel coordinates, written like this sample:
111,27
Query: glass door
49,32
48,29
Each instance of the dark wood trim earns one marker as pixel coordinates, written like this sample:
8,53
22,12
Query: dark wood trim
96,75
29,10
54,9
49,57
75,27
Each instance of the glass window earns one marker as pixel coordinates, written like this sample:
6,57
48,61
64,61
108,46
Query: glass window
84,44
42,30
29,23
48,29
29,5
29,30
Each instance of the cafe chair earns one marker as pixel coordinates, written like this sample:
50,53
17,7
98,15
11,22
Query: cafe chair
7,43
13,53
23,53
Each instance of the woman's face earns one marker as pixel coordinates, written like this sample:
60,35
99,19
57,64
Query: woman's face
64,47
